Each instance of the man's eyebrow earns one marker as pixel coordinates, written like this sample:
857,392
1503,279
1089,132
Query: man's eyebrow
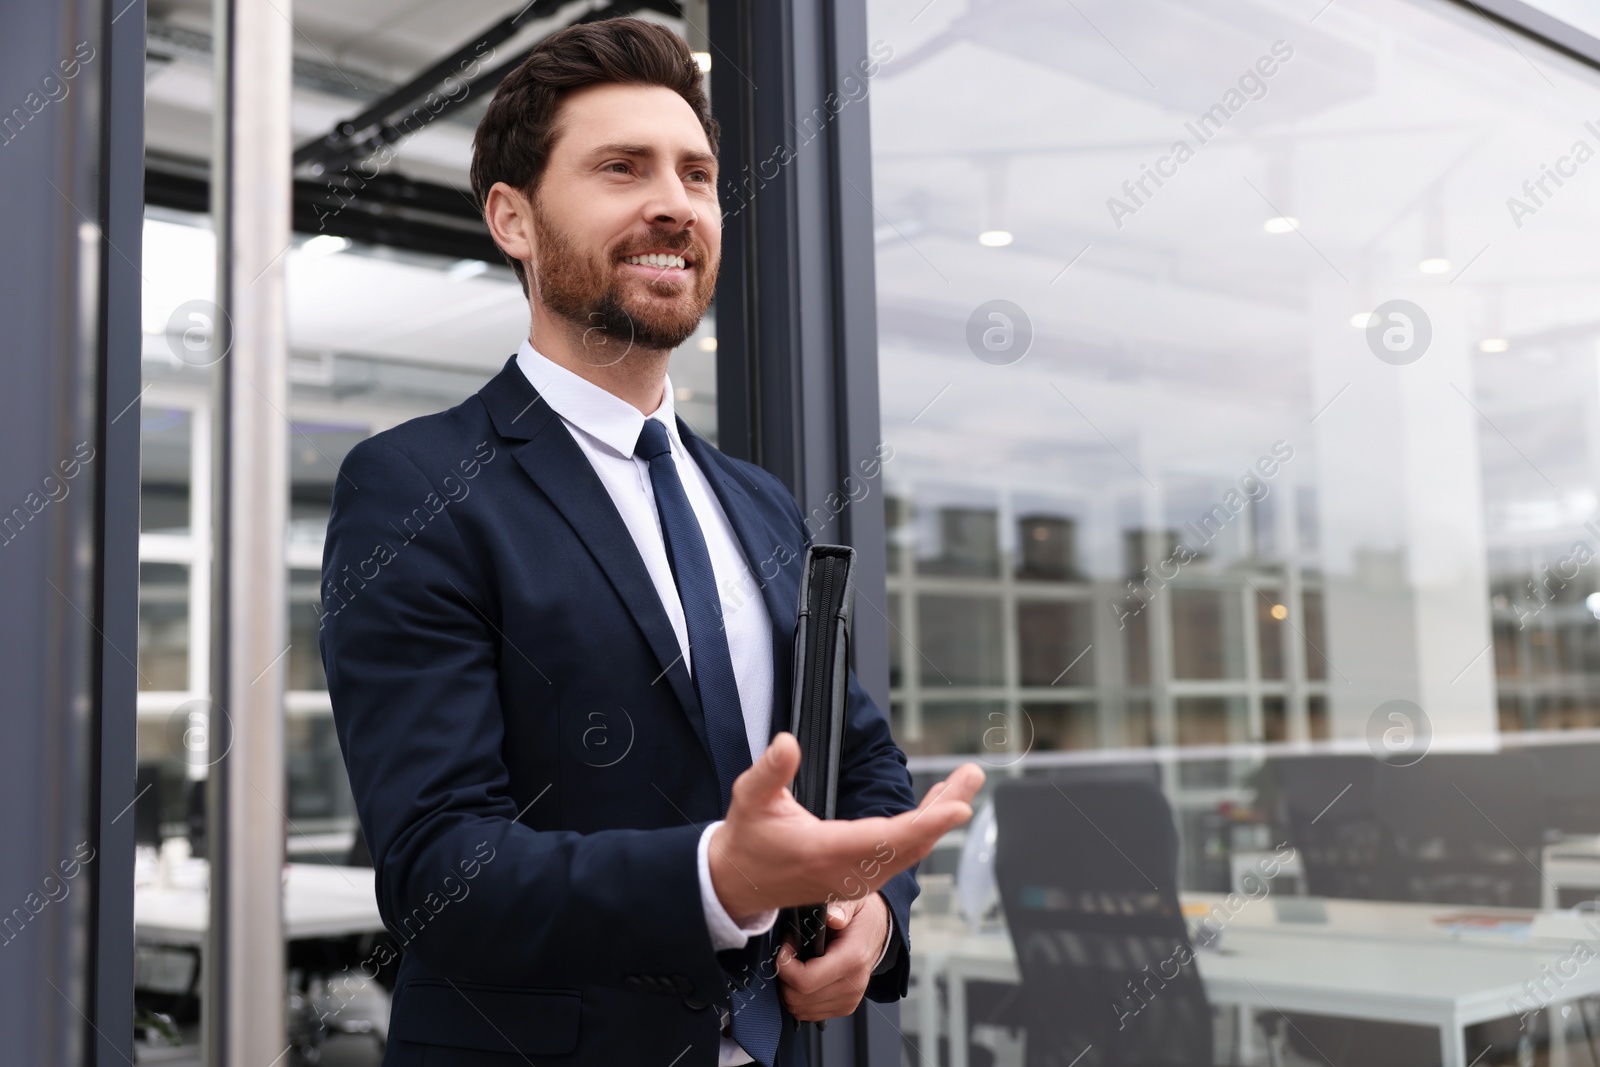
619,148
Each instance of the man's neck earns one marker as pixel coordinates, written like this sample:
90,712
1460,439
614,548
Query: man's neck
637,375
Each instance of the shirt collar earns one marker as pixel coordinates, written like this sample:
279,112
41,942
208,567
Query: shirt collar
602,415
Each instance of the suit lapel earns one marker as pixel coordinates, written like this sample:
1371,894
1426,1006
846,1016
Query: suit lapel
563,473
767,553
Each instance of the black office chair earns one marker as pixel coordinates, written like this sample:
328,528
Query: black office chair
1332,808
1088,882
1466,829
1568,778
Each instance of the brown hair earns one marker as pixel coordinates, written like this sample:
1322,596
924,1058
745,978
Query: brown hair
519,128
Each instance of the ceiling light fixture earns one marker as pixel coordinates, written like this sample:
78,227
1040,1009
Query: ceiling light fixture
324,244
462,269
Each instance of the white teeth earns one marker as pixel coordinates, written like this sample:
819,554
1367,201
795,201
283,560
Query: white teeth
657,259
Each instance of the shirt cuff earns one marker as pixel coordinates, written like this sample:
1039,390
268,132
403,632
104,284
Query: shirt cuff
888,937
726,933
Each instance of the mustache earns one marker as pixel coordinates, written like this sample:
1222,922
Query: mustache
678,241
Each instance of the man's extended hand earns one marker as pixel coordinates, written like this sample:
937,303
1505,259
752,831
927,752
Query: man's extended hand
771,853
833,983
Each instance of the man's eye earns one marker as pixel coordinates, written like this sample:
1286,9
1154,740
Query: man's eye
624,166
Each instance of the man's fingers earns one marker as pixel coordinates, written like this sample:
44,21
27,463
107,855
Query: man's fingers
771,773
961,784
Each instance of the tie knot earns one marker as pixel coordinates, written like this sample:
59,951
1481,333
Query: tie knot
652,441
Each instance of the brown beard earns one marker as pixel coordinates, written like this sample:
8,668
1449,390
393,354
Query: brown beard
586,291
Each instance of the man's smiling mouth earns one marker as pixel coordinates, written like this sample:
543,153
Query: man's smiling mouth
658,259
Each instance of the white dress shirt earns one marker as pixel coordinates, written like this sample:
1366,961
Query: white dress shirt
606,428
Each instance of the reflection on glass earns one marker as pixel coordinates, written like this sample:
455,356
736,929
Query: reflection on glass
967,543
1207,642
1049,548
960,640
164,469
163,626
1058,726
1319,394
304,662
1053,638
974,727
1210,720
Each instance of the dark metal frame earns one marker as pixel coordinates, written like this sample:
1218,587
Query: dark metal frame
70,295
797,367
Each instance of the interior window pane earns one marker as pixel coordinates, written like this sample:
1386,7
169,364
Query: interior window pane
960,640
165,438
1207,642
1054,639
163,626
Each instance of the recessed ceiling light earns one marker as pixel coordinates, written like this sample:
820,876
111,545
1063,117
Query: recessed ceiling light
708,344
324,244
702,60
463,269
994,238
1493,344
1281,224
1362,319
1436,265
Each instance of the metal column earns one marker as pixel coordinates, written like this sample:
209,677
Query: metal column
797,336
243,1010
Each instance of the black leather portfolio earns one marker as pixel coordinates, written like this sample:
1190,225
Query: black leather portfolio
821,671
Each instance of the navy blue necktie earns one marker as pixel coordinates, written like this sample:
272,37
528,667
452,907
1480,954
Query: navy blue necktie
757,1021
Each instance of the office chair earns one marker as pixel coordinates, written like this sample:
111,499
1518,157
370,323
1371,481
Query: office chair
1088,883
1466,829
1332,808
1568,778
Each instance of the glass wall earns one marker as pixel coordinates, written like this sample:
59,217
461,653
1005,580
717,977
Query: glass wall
378,336
1241,370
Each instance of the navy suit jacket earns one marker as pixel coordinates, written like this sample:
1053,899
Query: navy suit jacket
525,747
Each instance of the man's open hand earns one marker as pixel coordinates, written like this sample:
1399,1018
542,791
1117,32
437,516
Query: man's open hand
772,853
833,983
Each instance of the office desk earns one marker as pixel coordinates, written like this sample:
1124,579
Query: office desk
318,901
1573,863
1371,960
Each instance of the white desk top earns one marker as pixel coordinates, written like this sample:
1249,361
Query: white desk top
318,901
1368,953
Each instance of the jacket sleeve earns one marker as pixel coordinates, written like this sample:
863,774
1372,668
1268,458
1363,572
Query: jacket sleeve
410,645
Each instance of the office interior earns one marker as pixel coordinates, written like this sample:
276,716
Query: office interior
1220,432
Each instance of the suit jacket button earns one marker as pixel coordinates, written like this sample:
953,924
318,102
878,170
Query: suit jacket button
695,1005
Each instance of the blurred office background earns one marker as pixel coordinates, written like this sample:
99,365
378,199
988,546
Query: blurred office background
1165,523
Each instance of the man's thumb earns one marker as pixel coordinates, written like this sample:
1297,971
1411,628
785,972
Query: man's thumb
773,771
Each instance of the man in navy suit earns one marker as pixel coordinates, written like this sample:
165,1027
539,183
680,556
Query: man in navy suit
557,627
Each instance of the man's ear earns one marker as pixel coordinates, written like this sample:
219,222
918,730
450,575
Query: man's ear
509,215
